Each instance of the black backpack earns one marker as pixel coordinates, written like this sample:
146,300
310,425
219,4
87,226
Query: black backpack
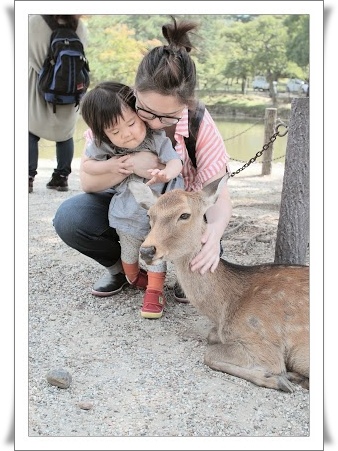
64,76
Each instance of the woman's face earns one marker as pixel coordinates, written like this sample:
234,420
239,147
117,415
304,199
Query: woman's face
157,110
129,131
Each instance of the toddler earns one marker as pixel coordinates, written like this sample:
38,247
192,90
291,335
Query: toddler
116,130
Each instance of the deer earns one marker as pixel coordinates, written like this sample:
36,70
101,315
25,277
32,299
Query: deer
259,313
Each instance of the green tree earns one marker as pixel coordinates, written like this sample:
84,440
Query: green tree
258,48
113,51
225,46
298,45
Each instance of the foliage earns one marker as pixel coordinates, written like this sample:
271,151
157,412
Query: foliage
226,47
298,45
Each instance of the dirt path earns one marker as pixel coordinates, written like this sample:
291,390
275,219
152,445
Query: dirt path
144,378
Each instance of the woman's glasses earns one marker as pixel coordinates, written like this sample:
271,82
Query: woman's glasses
149,116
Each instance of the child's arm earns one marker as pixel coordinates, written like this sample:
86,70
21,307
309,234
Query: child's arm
172,169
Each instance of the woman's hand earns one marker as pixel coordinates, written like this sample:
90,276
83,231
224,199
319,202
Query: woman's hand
218,217
143,161
208,258
100,175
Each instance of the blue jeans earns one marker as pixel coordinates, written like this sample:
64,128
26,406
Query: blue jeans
82,223
64,156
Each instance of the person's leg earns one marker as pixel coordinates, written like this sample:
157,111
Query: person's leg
154,300
64,158
82,223
130,247
33,156
153,281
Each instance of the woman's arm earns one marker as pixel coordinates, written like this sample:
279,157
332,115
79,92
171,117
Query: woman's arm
100,175
218,217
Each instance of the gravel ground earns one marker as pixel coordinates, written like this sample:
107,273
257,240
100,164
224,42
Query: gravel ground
133,377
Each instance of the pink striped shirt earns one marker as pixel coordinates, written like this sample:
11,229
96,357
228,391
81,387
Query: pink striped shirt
211,154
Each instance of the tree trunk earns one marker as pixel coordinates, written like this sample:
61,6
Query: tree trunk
293,227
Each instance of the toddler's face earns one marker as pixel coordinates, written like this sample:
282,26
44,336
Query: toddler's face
128,132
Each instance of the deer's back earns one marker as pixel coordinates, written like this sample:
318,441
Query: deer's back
263,299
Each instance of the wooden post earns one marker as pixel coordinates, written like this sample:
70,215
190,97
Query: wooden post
293,225
269,130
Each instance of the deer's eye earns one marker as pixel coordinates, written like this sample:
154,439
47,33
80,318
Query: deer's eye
185,216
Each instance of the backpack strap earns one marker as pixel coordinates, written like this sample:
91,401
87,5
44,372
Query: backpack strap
50,21
194,118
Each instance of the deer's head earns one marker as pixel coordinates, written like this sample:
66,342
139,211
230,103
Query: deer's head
176,220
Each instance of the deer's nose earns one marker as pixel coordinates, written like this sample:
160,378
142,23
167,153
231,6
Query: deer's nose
147,253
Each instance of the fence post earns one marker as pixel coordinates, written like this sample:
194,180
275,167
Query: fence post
269,130
294,216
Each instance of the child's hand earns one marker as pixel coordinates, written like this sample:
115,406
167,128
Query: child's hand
158,176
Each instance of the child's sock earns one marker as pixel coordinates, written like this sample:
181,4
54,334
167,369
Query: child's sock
156,280
131,270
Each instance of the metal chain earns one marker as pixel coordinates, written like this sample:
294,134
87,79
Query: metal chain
265,147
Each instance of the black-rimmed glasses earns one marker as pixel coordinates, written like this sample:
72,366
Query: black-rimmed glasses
149,116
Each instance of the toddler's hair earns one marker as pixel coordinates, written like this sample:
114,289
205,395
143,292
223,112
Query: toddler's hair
103,106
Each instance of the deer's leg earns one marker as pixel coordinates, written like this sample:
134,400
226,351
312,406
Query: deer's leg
235,360
299,379
213,336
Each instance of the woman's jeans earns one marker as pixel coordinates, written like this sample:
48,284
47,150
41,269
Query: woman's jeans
64,156
82,223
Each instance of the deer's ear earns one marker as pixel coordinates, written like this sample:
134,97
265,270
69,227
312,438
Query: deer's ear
211,191
142,193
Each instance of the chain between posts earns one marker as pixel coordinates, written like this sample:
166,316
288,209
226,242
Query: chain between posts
265,147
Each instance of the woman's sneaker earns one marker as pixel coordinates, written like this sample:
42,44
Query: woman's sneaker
179,294
153,304
58,182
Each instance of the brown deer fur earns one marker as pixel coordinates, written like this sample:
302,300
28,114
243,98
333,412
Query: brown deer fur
260,313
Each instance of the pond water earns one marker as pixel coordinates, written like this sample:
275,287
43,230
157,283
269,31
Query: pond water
243,139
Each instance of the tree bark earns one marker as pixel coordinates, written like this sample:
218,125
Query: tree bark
293,227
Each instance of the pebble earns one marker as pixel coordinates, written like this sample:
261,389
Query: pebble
84,405
59,377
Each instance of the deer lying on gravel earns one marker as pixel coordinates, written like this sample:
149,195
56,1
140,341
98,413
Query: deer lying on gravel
260,313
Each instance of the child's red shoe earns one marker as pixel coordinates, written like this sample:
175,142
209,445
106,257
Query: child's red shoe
141,280
153,304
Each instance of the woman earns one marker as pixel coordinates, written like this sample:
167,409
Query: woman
58,126
164,89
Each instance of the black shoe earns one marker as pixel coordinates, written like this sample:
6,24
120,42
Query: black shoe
30,184
58,182
109,284
179,294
